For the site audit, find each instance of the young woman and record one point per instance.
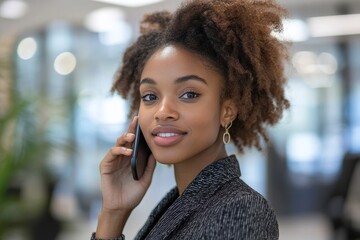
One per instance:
(210, 72)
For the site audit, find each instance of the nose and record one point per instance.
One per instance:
(166, 110)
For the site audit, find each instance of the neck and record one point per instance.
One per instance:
(186, 171)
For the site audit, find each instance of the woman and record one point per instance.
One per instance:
(210, 71)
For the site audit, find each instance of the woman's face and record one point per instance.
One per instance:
(180, 111)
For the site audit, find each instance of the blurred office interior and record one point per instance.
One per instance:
(58, 118)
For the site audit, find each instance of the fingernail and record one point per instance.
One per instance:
(127, 149)
(128, 136)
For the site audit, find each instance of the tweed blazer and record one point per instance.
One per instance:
(217, 204)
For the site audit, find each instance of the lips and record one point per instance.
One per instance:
(167, 136)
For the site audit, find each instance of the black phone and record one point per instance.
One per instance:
(141, 153)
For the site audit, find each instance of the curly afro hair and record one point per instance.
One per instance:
(236, 38)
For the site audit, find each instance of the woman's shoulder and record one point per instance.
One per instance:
(220, 186)
(239, 212)
(237, 188)
(239, 198)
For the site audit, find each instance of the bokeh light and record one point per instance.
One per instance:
(27, 48)
(65, 63)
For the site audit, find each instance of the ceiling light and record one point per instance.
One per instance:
(65, 63)
(130, 3)
(13, 9)
(120, 36)
(305, 62)
(336, 25)
(295, 30)
(110, 24)
(317, 71)
(104, 19)
(327, 63)
(26, 48)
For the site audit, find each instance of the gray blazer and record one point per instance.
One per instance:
(216, 205)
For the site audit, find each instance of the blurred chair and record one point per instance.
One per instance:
(47, 226)
(343, 205)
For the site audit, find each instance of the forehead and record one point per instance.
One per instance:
(177, 59)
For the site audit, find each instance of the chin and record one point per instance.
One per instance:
(167, 158)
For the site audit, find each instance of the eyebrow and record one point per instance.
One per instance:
(177, 81)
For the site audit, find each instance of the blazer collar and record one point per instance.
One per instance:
(174, 209)
(211, 178)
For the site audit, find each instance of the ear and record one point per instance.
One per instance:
(229, 112)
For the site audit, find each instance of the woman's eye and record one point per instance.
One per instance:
(190, 95)
(149, 97)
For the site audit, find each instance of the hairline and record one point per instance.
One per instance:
(207, 61)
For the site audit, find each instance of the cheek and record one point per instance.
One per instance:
(211, 109)
(205, 123)
(144, 121)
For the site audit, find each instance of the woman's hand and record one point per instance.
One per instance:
(120, 192)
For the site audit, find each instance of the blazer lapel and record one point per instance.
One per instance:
(156, 214)
(197, 193)
(174, 216)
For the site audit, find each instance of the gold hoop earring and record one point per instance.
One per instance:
(226, 136)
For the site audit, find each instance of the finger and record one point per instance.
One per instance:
(132, 125)
(114, 152)
(124, 139)
(131, 132)
(129, 136)
(149, 170)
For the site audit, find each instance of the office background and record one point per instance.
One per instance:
(58, 118)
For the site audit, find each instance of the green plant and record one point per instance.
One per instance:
(23, 149)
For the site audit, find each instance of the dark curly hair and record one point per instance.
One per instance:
(236, 38)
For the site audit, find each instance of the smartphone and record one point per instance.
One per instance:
(141, 153)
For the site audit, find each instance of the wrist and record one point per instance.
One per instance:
(93, 237)
(111, 223)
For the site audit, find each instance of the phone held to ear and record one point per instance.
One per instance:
(141, 153)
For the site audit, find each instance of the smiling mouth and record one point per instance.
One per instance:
(167, 135)
(167, 139)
